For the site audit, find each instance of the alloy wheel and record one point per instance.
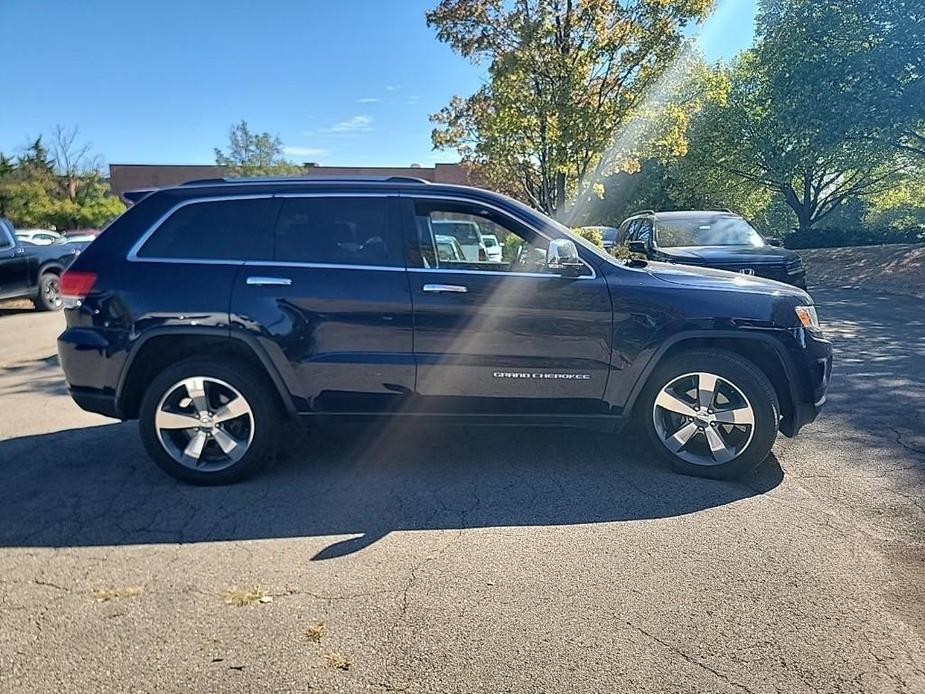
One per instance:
(704, 419)
(52, 291)
(204, 423)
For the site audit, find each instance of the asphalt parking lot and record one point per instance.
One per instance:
(471, 560)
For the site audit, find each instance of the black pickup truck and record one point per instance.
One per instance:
(33, 272)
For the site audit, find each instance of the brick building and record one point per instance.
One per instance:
(125, 177)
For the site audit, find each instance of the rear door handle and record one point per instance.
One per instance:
(269, 281)
(445, 288)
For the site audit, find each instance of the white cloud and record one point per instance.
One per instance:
(305, 151)
(413, 99)
(390, 87)
(356, 124)
(368, 100)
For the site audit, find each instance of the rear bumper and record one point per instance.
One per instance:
(96, 401)
(91, 366)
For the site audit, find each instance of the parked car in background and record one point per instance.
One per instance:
(31, 271)
(720, 240)
(448, 248)
(70, 233)
(466, 233)
(38, 237)
(492, 248)
(215, 311)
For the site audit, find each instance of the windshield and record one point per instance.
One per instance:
(706, 231)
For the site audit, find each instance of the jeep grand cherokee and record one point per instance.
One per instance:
(214, 311)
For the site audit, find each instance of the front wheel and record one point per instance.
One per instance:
(49, 295)
(710, 413)
(209, 423)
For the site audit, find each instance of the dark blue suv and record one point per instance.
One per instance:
(215, 311)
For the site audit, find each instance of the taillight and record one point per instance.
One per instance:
(74, 287)
(482, 254)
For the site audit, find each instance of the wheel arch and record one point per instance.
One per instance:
(765, 352)
(152, 352)
(51, 266)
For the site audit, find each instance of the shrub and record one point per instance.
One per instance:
(592, 234)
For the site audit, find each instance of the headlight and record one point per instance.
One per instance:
(808, 316)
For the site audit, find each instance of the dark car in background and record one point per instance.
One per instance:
(33, 271)
(214, 311)
(720, 240)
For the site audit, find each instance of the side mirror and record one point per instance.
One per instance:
(640, 247)
(773, 241)
(562, 257)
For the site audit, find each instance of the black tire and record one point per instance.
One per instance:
(265, 408)
(739, 372)
(49, 294)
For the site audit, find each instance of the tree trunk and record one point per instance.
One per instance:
(801, 207)
(560, 196)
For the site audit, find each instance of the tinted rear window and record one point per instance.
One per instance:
(221, 230)
(337, 230)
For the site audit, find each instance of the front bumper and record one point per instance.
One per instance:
(812, 357)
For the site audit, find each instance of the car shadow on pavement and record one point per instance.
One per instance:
(38, 376)
(96, 486)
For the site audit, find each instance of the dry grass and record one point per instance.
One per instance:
(315, 632)
(107, 594)
(241, 597)
(338, 661)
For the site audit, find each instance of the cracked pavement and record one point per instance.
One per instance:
(472, 560)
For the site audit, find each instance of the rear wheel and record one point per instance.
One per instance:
(209, 423)
(710, 414)
(49, 294)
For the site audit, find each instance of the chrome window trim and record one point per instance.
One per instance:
(136, 247)
(322, 266)
(505, 213)
(496, 273)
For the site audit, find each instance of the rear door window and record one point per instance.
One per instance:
(232, 230)
(337, 231)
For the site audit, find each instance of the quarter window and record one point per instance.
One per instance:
(336, 230)
(218, 230)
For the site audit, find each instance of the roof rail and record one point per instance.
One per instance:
(302, 179)
(639, 212)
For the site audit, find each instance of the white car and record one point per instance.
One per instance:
(38, 237)
(492, 247)
(448, 249)
(468, 236)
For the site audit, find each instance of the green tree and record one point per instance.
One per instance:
(564, 75)
(254, 154)
(59, 187)
(814, 111)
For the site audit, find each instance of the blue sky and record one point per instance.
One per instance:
(346, 83)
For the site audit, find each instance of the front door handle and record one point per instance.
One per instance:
(445, 288)
(269, 281)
